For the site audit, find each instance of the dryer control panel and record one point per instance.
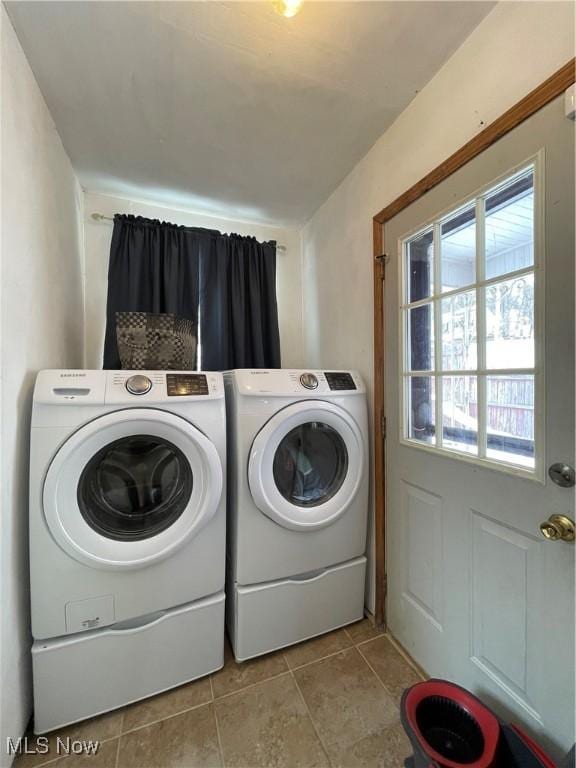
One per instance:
(339, 380)
(297, 382)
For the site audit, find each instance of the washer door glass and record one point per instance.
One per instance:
(135, 487)
(131, 487)
(310, 464)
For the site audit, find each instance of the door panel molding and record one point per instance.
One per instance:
(422, 552)
(546, 92)
(499, 548)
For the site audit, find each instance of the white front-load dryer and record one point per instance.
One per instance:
(297, 505)
(127, 536)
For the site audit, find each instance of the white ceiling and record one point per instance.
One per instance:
(227, 107)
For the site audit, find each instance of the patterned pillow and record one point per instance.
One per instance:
(155, 341)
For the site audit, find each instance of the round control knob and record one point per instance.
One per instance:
(309, 381)
(138, 384)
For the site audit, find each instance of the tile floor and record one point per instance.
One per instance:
(331, 701)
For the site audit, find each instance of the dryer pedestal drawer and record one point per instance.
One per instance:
(79, 676)
(265, 617)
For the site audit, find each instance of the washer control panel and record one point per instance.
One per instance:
(162, 386)
(183, 384)
(138, 384)
(77, 388)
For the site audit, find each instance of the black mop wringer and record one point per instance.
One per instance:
(448, 727)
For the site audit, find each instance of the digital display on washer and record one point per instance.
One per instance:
(340, 380)
(182, 384)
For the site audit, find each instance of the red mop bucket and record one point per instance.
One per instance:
(448, 727)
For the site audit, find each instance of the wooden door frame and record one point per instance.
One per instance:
(549, 90)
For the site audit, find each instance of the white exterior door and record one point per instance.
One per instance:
(479, 387)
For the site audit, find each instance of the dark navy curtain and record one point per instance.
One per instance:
(226, 282)
(238, 310)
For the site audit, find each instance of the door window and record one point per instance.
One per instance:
(310, 464)
(469, 314)
(135, 487)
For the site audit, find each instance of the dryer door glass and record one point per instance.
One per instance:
(135, 487)
(310, 464)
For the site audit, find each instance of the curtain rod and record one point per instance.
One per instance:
(101, 217)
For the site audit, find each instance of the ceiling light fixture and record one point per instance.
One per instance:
(287, 8)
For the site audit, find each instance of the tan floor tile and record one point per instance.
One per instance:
(362, 630)
(233, 676)
(317, 648)
(189, 740)
(268, 725)
(96, 729)
(386, 749)
(390, 666)
(105, 757)
(346, 700)
(34, 760)
(166, 704)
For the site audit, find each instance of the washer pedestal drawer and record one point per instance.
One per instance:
(272, 615)
(86, 674)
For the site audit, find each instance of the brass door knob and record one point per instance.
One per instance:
(558, 527)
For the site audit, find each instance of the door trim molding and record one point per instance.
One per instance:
(546, 92)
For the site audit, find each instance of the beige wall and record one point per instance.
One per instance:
(97, 251)
(516, 47)
(41, 327)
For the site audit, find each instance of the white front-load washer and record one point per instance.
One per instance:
(297, 505)
(127, 537)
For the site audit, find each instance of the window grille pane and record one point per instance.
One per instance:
(510, 419)
(510, 228)
(510, 323)
(421, 401)
(459, 332)
(458, 250)
(460, 413)
(482, 339)
(421, 338)
(419, 267)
